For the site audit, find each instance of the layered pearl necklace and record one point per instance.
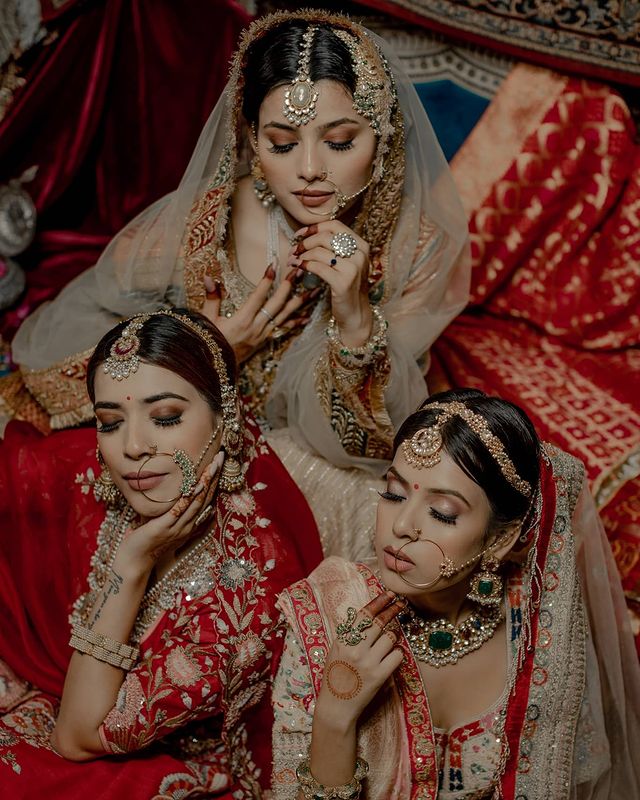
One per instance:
(439, 642)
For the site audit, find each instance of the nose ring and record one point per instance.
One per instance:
(323, 175)
(154, 449)
(418, 533)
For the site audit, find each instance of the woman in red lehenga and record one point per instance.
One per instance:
(486, 653)
(170, 591)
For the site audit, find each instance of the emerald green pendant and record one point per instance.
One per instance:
(485, 588)
(440, 640)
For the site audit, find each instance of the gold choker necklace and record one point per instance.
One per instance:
(438, 642)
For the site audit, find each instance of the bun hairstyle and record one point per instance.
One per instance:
(273, 60)
(506, 421)
(167, 342)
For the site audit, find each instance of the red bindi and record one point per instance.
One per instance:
(128, 397)
(416, 486)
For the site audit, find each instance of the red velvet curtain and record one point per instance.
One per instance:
(110, 113)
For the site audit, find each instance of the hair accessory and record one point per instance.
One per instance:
(343, 244)
(301, 96)
(424, 447)
(123, 357)
(486, 585)
(349, 633)
(260, 185)
(371, 96)
(314, 790)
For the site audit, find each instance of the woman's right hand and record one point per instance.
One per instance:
(259, 316)
(354, 673)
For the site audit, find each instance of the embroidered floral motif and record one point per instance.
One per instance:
(181, 669)
(234, 572)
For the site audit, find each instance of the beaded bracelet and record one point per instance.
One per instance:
(313, 790)
(103, 648)
(358, 357)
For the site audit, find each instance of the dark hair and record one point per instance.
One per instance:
(167, 342)
(506, 421)
(272, 61)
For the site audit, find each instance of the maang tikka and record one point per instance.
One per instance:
(301, 96)
(424, 448)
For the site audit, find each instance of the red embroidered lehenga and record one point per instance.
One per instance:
(567, 725)
(191, 715)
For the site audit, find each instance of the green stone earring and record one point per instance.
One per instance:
(486, 584)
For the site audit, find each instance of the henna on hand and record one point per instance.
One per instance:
(343, 680)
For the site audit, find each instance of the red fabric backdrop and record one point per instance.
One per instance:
(110, 113)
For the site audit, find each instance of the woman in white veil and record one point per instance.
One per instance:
(331, 397)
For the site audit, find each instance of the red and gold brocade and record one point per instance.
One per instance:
(550, 180)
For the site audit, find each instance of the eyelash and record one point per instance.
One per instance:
(437, 515)
(286, 148)
(442, 517)
(394, 498)
(162, 422)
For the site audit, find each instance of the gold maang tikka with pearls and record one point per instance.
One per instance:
(301, 96)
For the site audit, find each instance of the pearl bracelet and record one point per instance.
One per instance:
(357, 357)
(103, 648)
(313, 790)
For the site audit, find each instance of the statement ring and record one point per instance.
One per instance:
(343, 244)
(350, 634)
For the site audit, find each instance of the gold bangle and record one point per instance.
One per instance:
(314, 790)
(103, 648)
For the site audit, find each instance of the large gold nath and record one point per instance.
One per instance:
(424, 448)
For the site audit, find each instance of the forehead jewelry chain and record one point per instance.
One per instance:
(425, 446)
(301, 96)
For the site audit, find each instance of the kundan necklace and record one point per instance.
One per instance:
(438, 642)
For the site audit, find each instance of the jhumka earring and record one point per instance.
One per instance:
(486, 585)
(104, 489)
(231, 477)
(260, 185)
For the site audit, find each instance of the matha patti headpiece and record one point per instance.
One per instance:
(424, 447)
(301, 97)
(371, 96)
(124, 360)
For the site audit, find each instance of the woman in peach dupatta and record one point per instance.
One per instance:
(505, 670)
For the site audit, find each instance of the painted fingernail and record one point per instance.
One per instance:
(315, 292)
(299, 249)
(292, 275)
(312, 229)
(301, 231)
(299, 273)
(270, 272)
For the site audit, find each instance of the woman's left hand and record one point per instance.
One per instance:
(347, 277)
